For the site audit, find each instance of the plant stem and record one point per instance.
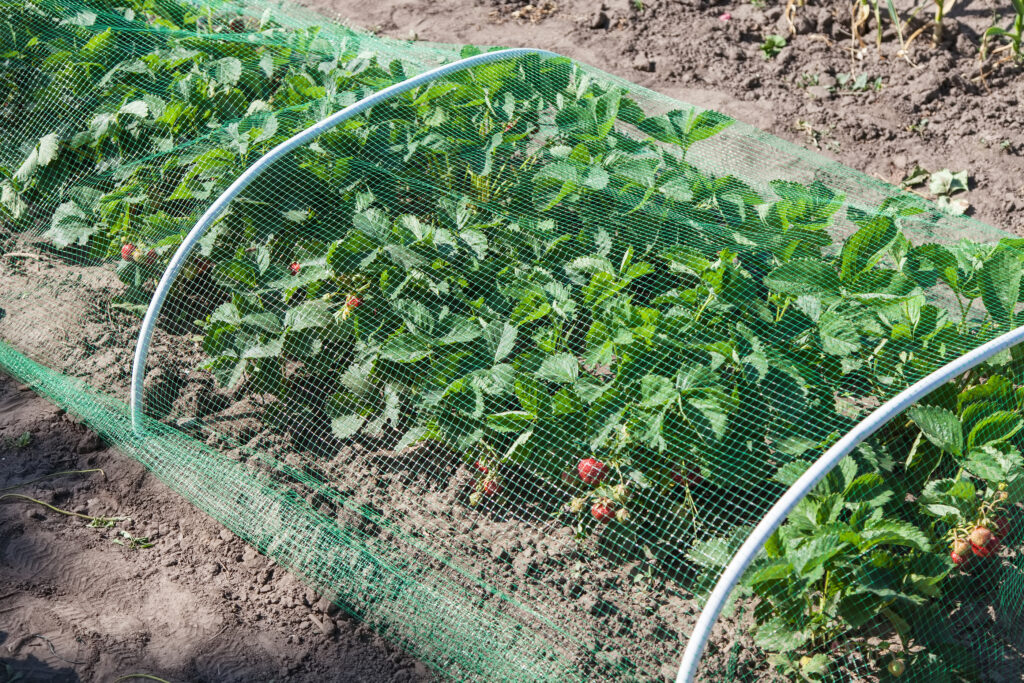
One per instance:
(101, 520)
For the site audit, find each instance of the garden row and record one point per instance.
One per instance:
(518, 262)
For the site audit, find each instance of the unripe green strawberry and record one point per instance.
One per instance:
(980, 536)
(897, 667)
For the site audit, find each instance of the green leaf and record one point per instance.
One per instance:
(511, 421)
(860, 607)
(998, 426)
(506, 342)
(894, 532)
(531, 395)
(715, 552)
(868, 488)
(561, 367)
(136, 108)
(70, 225)
(272, 349)
(706, 124)
(778, 635)
(995, 463)
(407, 347)
(461, 330)
(936, 258)
(227, 71)
(945, 182)
(839, 336)
(939, 426)
(532, 307)
(803, 277)
(776, 571)
(308, 315)
(345, 426)
(867, 246)
(685, 260)
(656, 390)
(45, 151)
(790, 472)
(1000, 285)
(227, 371)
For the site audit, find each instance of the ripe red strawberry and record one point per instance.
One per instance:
(602, 512)
(127, 251)
(481, 466)
(961, 546)
(151, 258)
(957, 558)
(491, 488)
(592, 471)
(985, 550)
(295, 267)
(353, 301)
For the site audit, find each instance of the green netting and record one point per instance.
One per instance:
(510, 365)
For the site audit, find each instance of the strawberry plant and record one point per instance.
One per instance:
(855, 554)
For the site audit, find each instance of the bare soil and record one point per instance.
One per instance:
(933, 107)
(80, 604)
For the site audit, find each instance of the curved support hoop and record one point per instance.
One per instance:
(163, 288)
(777, 514)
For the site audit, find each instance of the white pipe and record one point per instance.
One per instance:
(777, 514)
(213, 212)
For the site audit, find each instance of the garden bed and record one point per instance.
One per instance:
(542, 340)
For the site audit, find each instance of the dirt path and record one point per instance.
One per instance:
(198, 605)
(935, 111)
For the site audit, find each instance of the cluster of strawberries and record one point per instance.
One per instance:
(982, 540)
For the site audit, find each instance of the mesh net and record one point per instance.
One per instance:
(509, 365)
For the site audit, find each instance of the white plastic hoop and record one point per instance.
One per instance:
(778, 512)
